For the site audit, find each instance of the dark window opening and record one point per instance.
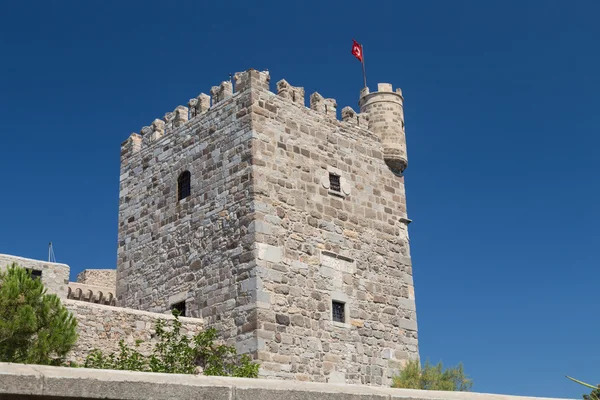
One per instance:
(179, 307)
(35, 274)
(334, 182)
(184, 183)
(337, 309)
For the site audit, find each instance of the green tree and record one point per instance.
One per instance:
(35, 328)
(432, 377)
(178, 354)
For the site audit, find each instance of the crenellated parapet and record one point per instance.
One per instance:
(199, 105)
(196, 108)
(131, 146)
(91, 293)
(289, 92)
(352, 117)
(221, 92)
(381, 113)
(323, 105)
(251, 79)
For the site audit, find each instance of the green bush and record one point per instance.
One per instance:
(432, 377)
(175, 353)
(35, 328)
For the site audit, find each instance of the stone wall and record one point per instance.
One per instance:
(55, 276)
(29, 382)
(316, 245)
(102, 327)
(197, 249)
(99, 277)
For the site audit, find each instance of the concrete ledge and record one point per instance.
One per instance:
(31, 382)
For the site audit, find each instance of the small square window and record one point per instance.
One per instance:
(35, 274)
(179, 307)
(337, 311)
(334, 182)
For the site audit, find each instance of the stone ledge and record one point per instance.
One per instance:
(72, 305)
(28, 262)
(18, 381)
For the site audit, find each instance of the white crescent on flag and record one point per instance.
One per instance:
(357, 50)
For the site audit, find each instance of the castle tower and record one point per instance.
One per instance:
(278, 224)
(386, 119)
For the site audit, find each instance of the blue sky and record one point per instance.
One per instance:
(501, 112)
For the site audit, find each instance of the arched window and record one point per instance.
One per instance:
(184, 183)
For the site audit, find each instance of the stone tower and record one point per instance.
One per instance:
(385, 109)
(277, 223)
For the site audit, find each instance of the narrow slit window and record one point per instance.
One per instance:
(334, 182)
(179, 307)
(337, 311)
(184, 183)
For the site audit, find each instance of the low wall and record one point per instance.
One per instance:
(55, 276)
(102, 327)
(92, 294)
(26, 382)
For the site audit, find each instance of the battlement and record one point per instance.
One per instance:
(196, 108)
(91, 293)
(199, 106)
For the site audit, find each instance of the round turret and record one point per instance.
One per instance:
(385, 109)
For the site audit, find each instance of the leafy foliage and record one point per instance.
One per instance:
(178, 354)
(432, 377)
(35, 328)
(594, 394)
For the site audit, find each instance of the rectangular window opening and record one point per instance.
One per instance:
(334, 182)
(35, 274)
(184, 185)
(337, 311)
(179, 307)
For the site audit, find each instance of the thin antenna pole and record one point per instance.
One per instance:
(51, 257)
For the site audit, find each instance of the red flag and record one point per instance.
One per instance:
(357, 50)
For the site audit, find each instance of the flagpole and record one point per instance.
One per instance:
(363, 65)
(358, 52)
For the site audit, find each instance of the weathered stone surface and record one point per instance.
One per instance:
(98, 277)
(269, 253)
(102, 327)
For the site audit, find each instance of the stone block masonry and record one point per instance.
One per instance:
(98, 277)
(277, 223)
(102, 327)
(348, 245)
